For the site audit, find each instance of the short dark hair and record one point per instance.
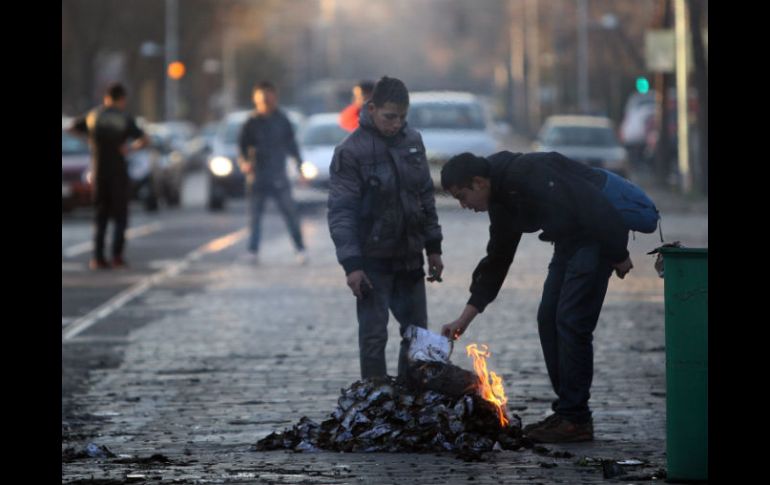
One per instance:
(264, 86)
(367, 87)
(390, 90)
(460, 170)
(116, 91)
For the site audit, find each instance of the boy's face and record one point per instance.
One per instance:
(388, 118)
(265, 100)
(475, 197)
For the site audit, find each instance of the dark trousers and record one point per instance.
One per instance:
(282, 197)
(401, 292)
(573, 295)
(111, 204)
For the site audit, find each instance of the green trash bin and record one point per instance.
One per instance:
(686, 306)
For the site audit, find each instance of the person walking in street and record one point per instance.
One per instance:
(563, 198)
(108, 128)
(349, 116)
(265, 140)
(382, 216)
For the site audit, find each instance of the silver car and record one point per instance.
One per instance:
(587, 139)
(319, 135)
(451, 122)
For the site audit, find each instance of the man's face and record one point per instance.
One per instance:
(388, 118)
(119, 103)
(475, 197)
(265, 100)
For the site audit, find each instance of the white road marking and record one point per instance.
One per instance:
(131, 233)
(140, 287)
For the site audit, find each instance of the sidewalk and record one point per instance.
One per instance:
(234, 352)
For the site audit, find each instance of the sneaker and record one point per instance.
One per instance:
(561, 430)
(542, 423)
(119, 263)
(301, 257)
(251, 258)
(96, 263)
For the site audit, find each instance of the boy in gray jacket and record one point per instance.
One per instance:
(382, 215)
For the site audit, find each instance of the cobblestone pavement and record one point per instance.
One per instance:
(229, 352)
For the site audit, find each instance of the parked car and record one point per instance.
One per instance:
(587, 139)
(76, 188)
(317, 138)
(451, 122)
(157, 172)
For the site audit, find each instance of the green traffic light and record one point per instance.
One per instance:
(642, 85)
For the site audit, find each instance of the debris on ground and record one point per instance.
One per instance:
(383, 415)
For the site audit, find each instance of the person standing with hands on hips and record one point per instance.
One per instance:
(109, 129)
(563, 198)
(382, 216)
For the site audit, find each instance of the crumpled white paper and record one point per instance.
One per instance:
(427, 346)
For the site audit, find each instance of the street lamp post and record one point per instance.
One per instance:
(172, 85)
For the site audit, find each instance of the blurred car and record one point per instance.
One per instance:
(317, 138)
(76, 188)
(156, 172)
(587, 139)
(182, 137)
(451, 122)
(225, 179)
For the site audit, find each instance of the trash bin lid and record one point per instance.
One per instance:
(672, 250)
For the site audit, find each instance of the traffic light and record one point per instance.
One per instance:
(642, 85)
(176, 70)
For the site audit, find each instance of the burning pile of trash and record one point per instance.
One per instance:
(437, 407)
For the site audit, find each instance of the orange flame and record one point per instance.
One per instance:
(492, 392)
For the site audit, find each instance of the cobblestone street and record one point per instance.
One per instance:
(228, 353)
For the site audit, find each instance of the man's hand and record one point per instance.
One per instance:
(621, 269)
(244, 165)
(435, 268)
(455, 329)
(359, 284)
(458, 327)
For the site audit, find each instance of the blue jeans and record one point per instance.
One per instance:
(282, 197)
(573, 295)
(403, 293)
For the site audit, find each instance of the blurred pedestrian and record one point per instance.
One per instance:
(109, 128)
(349, 116)
(265, 140)
(563, 198)
(382, 216)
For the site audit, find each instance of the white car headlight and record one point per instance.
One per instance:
(309, 170)
(221, 166)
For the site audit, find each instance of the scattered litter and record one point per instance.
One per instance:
(381, 415)
(98, 451)
(611, 469)
(630, 462)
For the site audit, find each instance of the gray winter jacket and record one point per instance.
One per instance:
(381, 202)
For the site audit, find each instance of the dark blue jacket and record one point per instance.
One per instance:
(272, 139)
(548, 192)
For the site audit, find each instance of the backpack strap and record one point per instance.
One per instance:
(660, 226)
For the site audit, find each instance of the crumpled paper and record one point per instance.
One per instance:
(427, 346)
(659, 259)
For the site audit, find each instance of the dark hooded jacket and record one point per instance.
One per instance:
(548, 192)
(382, 210)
